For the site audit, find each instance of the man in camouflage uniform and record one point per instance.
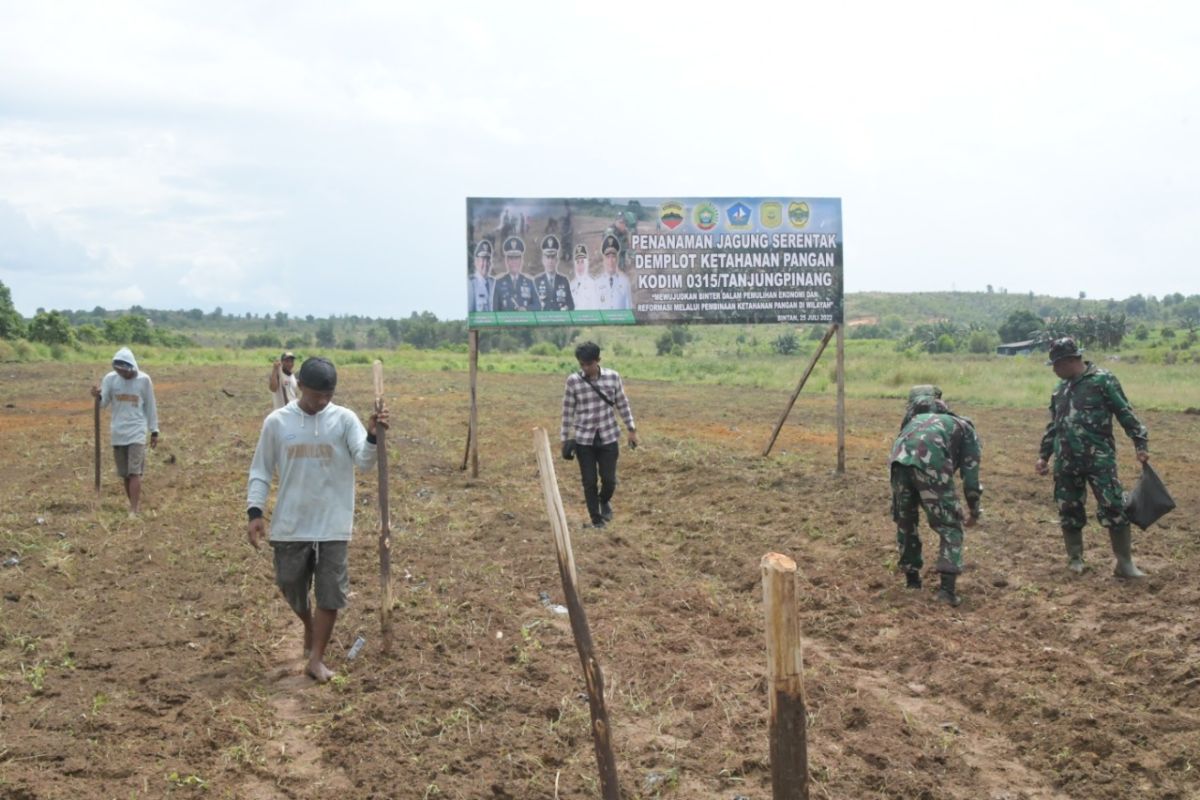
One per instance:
(934, 444)
(1080, 436)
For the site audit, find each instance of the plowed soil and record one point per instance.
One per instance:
(152, 656)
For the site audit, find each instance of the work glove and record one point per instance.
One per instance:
(568, 450)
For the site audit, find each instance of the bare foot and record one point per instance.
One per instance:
(318, 672)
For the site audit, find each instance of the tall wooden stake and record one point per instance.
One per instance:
(385, 533)
(96, 428)
(601, 731)
(785, 680)
(841, 397)
(473, 432)
(803, 379)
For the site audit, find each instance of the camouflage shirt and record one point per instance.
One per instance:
(939, 445)
(1080, 433)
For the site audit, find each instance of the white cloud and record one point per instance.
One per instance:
(196, 153)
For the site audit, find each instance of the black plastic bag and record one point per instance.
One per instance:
(1149, 500)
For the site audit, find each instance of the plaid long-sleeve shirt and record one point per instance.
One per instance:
(585, 414)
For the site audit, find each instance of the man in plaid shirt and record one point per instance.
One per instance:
(590, 429)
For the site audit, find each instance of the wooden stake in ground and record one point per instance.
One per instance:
(96, 427)
(385, 533)
(601, 731)
(803, 379)
(785, 680)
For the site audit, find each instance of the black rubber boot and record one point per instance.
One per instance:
(1073, 538)
(912, 579)
(946, 593)
(1122, 545)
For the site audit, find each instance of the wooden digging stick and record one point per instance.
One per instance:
(385, 534)
(96, 428)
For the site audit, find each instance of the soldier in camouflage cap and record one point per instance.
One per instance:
(934, 444)
(1080, 436)
(916, 394)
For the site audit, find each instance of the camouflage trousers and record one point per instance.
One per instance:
(1070, 491)
(912, 490)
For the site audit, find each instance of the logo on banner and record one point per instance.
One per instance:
(738, 215)
(771, 214)
(671, 214)
(798, 213)
(707, 216)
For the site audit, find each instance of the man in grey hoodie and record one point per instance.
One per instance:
(130, 392)
(314, 446)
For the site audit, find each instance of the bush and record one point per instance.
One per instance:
(545, 349)
(88, 334)
(672, 340)
(786, 343)
(254, 340)
(981, 342)
(944, 344)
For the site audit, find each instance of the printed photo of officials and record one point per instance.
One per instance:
(580, 262)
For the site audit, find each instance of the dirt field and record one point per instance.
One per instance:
(152, 657)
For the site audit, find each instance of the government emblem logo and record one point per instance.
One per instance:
(798, 213)
(771, 214)
(707, 216)
(738, 215)
(671, 214)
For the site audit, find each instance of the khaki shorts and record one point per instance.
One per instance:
(324, 566)
(130, 458)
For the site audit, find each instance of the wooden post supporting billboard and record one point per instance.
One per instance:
(841, 398)
(785, 680)
(473, 424)
(601, 730)
(803, 379)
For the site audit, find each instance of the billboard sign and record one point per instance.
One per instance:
(631, 261)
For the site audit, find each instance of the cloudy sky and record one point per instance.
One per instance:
(315, 157)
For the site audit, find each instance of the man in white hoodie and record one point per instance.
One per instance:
(313, 445)
(131, 395)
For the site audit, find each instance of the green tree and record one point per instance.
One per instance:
(11, 324)
(325, 335)
(51, 327)
(89, 334)
(128, 329)
(1020, 326)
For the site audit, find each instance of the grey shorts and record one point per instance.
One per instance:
(325, 566)
(130, 458)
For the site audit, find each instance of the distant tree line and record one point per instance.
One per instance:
(180, 328)
(936, 322)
